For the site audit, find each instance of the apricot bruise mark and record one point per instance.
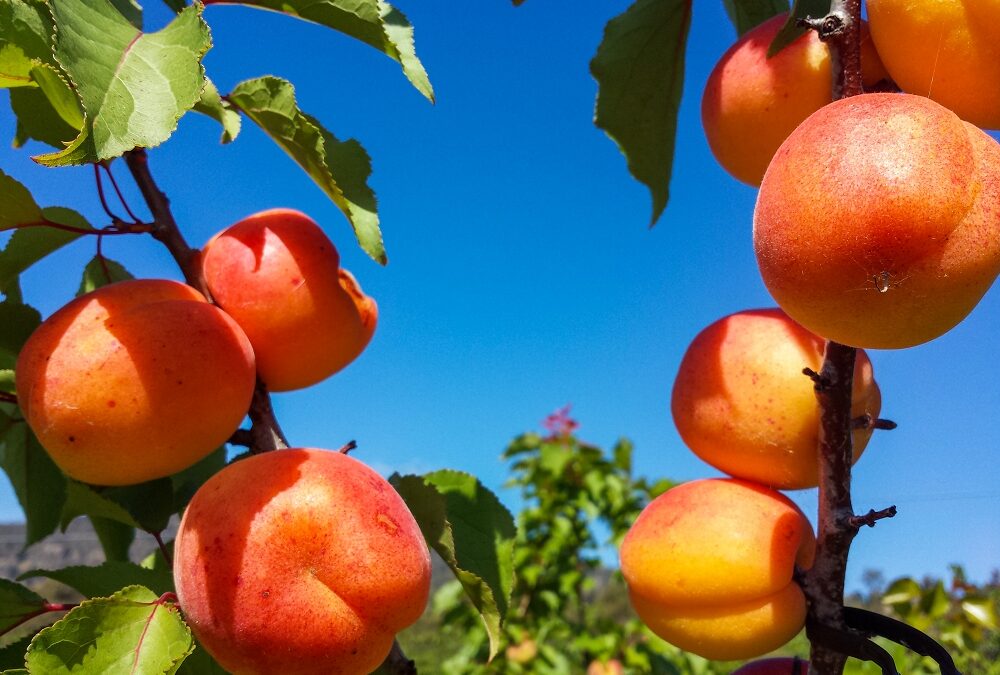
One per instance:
(387, 523)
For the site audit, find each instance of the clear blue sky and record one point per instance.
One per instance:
(522, 273)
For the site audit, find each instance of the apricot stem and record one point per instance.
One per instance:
(158, 536)
(347, 447)
(265, 432)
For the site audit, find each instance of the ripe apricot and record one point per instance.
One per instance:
(777, 666)
(709, 567)
(878, 221)
(752, 103)
(279, 276)
(134, 381)
(947, 50)
(742, 404)
(299, 562)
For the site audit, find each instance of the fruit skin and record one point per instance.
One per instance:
(779, 666)
(279, 276)
(878, 222)
(709, 567)
(752, 103)
(742, 404)
(948, 50)
(297, 562)
(134, 381)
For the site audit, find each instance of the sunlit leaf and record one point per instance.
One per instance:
(129, 632)
(639, 69)
(222, 111)
(134, 86)
(374, 22)
(340, 169)
(472, 532)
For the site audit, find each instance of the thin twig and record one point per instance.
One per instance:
(114, 183)
(266, 433)
(867, 421)
(158, 536)
(872, 517)
(45, 609)
(7, 397)
(100, 194)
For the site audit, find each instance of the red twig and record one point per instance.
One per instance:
(158, 536)
(45, 609)
(114, 183)
(100, 194)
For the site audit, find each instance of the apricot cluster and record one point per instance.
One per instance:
(296, 561)
(710, 564)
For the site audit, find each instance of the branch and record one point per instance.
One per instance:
(396, 663)
(7, 397)
(872, 517)
(824, 583)
(265, 432)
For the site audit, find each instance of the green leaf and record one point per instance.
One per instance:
(25, 40)
(791, 30)
(12, 656)
(901, 594)
(187, 482)
(19, 207)
(981, 611)
(16, 602)
(19, 322)
(59, 94)
(38, 120)
(176, 5)
(131, 10)
(935, 602)
(38, 483)
(747, 14)
(222, 111)
(116, 538)
(340, 169)
(101, 272)
(639, 69)
(147, 506)
(623, 455)
(28, 245)
(134, 86)
(374, 22)
(6, 384)
(108, 578)
(472, 532)
(129, 632)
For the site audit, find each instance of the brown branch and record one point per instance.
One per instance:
(7, 397)
(265, 432)
(824, 583)
(165, 228)
(396, 663)
(117, 227)
(867, 421)
(872, 517)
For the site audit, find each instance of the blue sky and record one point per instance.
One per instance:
(522, 273)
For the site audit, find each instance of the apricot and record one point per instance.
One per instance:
(279, 276)
(609, 667)
(742, 404)
(752, 103)
(709, 567)
(777, 666)
(878, 221)
(134, 381)
(299, 561)
(947, 50)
